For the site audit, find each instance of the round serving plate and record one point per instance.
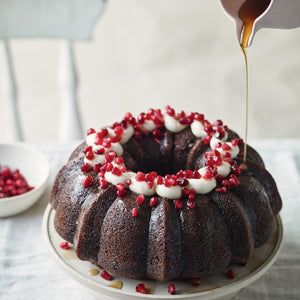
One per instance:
(217, 286)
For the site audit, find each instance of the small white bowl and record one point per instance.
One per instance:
(35, 168)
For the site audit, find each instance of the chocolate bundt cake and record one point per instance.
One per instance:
(165, 195)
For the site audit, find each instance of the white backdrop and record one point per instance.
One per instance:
(152, 53)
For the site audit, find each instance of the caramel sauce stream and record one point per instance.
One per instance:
(249, 12)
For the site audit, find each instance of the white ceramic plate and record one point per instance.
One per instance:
(212, 287)
(34, 167)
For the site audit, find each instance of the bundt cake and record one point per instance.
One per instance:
(165, 195)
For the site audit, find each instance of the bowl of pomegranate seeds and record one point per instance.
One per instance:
(24, 173)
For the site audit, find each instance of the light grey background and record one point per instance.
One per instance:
(153, 53)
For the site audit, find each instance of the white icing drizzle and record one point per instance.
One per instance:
(202, 185)
(141, 187)
(198, 129)
(172, 124)
(127, 134)
(114, 179)
(172, 192)
(148, 125)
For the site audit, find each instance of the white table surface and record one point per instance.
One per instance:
(28, 272)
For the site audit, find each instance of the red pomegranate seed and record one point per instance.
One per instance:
(236, 169)
(106, 143)
(182, 182)
(226, 183)
(98, 140)
(100, 151)
(120, 187)
(140, 199)
(87, 182)
(140, 288)
(119, 160)
(64, 245)
(103, 183)
(120, 194)
(119, 130)
(178, 203)
(105, 275)
(160, 180)
(199, 117)
(90, 131)
(221, 190)
(153, 201)
(218, 123)
(140, 176)
(97, 168)
(230, 274)
(86, 167)
(134, 212)
(207, 139)
(128, 182)
(196, 175)
(192, 194)
(90, 155)
(116, 171)
(208, 175)
(171, 289)
(226, 147)
(87, 149)
(170, 111)
(109, 167)
(195, 281)
(188, 174)
(190, 204)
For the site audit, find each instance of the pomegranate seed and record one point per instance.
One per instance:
(190, 204)
(182, 182)
(64, 245)
(134, 212)
(186, 192)
(128, 182)
(116, 171)
(90, 131)
(119, 130)
(103, 183)
(199, 117)
(206, 140)
(120, 194)
(171, 289)
(140, 199)
(100, 151)
(234, 142)
(87, 149)
(218, 123)
(178, 203)
(119, 160)
(90, 155)
(140, 288)
(226, 147)
(208, 175)
(109, 167)
(153, 201)
(230, 274)
(98, 140)
(97, 168)
(157, 133)
(196, 175)
(87, 182)
(86, 167)
(226, 183)
(105, 275)
(106, 144)
(103, 133)
(236, 169)
(192, 194)
(160, 180)
(120, 187)
(195, 281)
(221, 190)
(170, 111)
(140, 176)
